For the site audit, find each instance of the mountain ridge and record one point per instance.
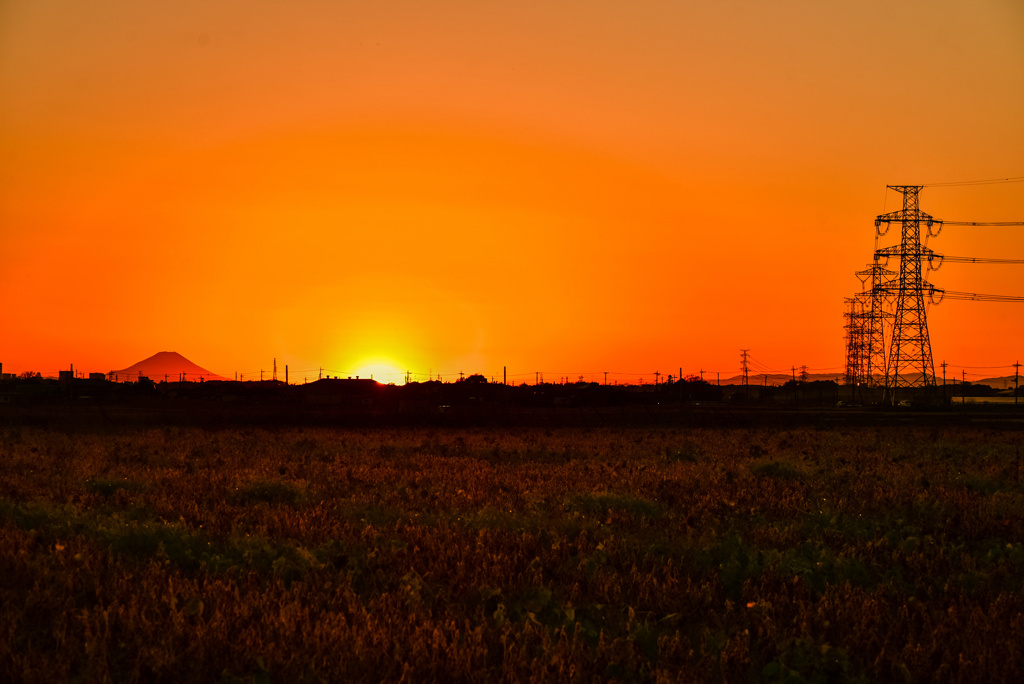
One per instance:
(166, 365)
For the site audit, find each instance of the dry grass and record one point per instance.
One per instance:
(481, 555)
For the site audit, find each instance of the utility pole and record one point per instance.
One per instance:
(656, 375)
(1016, 379)
(943, 364)
(536, 378)
(606, 377)
(744, 355)
(286, 373)
(275, 369)
(321, 375)
(504, 375)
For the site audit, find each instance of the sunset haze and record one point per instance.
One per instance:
(446, 187)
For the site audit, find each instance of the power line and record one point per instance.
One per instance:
(987, 181)
(973, 260)
(953, 365)
(979, 223)
(978, 297)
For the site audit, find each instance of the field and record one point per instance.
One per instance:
(180, 554)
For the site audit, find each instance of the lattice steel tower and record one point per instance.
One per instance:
(853, 342)
(909, 361)
(875, 317)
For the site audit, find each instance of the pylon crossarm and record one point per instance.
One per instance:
(897, 215)
(876, 268)
(887, 219)
(911, 252)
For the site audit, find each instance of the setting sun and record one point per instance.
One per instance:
(382, 370)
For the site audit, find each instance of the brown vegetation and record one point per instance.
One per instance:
(181, 554)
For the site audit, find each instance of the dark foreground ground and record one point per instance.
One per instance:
(670, 544)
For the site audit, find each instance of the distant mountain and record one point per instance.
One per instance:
(163, 365)
(777, 378)
(781, 379)
(997, 383)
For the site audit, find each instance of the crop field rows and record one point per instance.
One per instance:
(634, 554)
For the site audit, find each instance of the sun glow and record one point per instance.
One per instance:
(383, 371)
(429, 197)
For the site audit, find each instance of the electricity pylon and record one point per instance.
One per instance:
(854, 326)
(874, 317)
(909, 362)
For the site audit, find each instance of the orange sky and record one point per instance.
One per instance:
(567, 187)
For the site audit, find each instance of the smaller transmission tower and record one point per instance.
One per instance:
(875, 317)
(854, 340)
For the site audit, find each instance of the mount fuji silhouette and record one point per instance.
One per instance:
(165, 366)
